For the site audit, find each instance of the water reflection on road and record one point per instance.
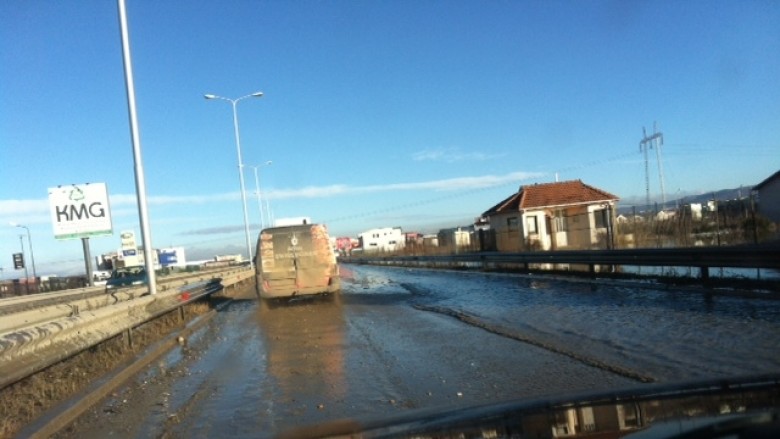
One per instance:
(660, 333)
(399, 339)
(304, 342)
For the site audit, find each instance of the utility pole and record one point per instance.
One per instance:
(26, 276)
(654, 140)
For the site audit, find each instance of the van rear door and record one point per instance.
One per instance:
(296, 259)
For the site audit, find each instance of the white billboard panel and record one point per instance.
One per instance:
(80, 210)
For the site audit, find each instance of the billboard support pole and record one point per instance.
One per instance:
(88, 261)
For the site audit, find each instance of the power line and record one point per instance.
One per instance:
(464, 192)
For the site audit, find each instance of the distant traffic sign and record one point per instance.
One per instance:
(18, 261)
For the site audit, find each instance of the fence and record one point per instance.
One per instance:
(715, 223)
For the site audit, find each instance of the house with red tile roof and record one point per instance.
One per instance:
(554, 216)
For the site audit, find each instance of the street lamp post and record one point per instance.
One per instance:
(257, 192)
(29, 244)
(26, 276)
(268, 217)
(233, 102)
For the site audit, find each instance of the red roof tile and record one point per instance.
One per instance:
(564, 193)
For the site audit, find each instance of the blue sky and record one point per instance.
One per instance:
(418, 114)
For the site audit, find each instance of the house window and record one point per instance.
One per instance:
(561, 224)
(531, 224)
(512, 222)
(600, 218)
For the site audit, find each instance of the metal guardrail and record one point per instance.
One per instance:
(13, 304)
(704, 258)
(30, 348)
(18, 312)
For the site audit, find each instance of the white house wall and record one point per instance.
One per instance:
(384, 239)
(576, 234)
(561, 239)
(541, 236)
(462, 238)
(506, 237)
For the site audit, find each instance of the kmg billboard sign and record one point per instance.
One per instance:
(80, 211)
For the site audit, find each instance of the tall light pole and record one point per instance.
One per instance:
(29, 244)
(233, 102)
(135, 138)
(268, 217)
(26, 276)
(257, 192)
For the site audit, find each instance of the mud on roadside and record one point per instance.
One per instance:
(24, 401)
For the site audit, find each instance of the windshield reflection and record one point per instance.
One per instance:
(735, 408)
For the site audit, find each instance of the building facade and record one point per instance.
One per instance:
(383, 239)
(551, 216)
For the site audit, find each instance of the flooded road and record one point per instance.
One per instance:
(400, 339)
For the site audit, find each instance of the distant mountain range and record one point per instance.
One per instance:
(627, 205)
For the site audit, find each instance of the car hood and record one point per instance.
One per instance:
(738, 407)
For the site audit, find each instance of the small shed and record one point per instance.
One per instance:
(561, 215)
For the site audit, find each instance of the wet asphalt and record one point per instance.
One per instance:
(399, 340)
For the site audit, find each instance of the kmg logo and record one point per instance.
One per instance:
(73, 212)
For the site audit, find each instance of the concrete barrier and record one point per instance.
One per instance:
(40, 308)
(26, 349)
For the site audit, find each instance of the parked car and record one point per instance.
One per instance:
(127, 277)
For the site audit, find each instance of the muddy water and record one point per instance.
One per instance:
(399, 339)
(665, 334)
